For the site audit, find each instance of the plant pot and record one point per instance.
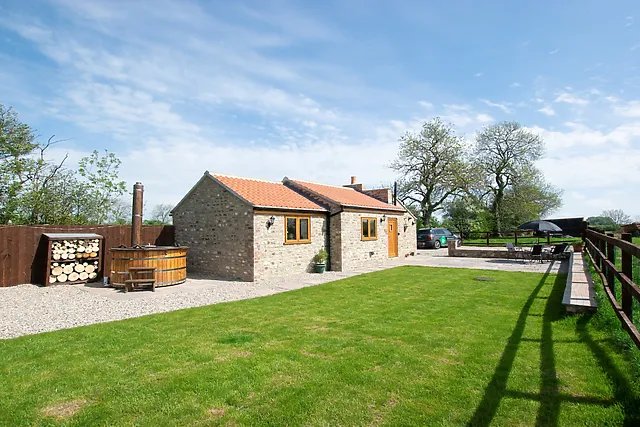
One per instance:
(320, 268)
(577, 248)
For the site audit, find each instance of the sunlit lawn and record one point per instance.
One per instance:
(407, 346)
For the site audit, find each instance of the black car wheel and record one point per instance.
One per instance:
(436, 244)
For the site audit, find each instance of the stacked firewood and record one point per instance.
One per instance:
(74, 260)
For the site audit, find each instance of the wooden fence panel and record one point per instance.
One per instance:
(601, 249)
(23, 252)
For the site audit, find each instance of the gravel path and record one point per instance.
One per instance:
(29, 309)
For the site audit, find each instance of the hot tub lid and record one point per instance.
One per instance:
(150, 248)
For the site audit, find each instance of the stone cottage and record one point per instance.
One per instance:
(248, 229)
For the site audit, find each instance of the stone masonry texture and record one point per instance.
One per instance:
(218, 228)
(274, 258)
(355, 252)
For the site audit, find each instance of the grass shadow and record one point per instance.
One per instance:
(623, 391)
(497, 387)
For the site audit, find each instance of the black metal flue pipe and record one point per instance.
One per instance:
(136, 218)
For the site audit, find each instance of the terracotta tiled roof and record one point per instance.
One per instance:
(267, 194)
(346, 196)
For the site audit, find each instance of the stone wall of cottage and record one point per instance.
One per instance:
(274, 258)
(408, 238)
(217, 227)
(353, 252)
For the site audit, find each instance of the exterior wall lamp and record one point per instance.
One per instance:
(271, 221)
(384, 216)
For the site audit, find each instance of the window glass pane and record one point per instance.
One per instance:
(365, 228)
(372, 228)
(304, 229)
(291, 229)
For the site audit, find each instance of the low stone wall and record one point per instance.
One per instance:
(477, 252)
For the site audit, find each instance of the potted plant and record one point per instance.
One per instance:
(577, 247)
(320, 259)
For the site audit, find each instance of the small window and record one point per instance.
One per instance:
(297, 229)
(369, 229)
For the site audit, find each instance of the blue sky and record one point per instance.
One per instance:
(323, 90)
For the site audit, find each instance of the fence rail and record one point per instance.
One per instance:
(23, 251)
(518, 237)
(602, 250)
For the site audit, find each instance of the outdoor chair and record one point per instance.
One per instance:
(514, 252)
(559, 251)
(536, 253)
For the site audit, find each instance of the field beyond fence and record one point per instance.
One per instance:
(23, 251)
(518, 238)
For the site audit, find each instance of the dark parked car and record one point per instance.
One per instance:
(435, 238)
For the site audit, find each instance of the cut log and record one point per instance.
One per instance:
(55, 264)
(71, 256)
(84, 275)
(62, 278)
(93, 254)
(64, 255)
(73, 277)
(93, 275)
(79, 268)
(56, 256)
(67, 269)
(52, 279)
(57, 271)
(80, 249)
(89, 269)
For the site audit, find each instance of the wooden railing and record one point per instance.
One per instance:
(602, 250)
(490, 238)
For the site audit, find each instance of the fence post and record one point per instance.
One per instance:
(603, 249)
(515, 237)
(611, 256)
(627, 270)
(548, 239)
(488, 235)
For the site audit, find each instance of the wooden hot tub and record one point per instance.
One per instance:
(170, 263)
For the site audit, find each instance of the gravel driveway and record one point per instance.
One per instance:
(30, 309)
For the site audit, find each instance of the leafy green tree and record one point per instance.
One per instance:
(529, 198)
(506, 153)
(462, 215)
(433, 167)
(100, 176)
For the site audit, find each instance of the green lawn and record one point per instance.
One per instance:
(407, 346)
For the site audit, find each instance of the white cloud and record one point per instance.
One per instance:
(628, 109)
(425, 104)
(571, 99)
(629, 21)
(547, 110)
(553, 52)
(503, 107)
(514, 84)
(478, 74)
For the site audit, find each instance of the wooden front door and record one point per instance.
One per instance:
(392, 230)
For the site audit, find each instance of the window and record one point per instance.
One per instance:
(297, 229)
(369, 229)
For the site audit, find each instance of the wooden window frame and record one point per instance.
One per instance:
(297, 240)
(369, 228)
